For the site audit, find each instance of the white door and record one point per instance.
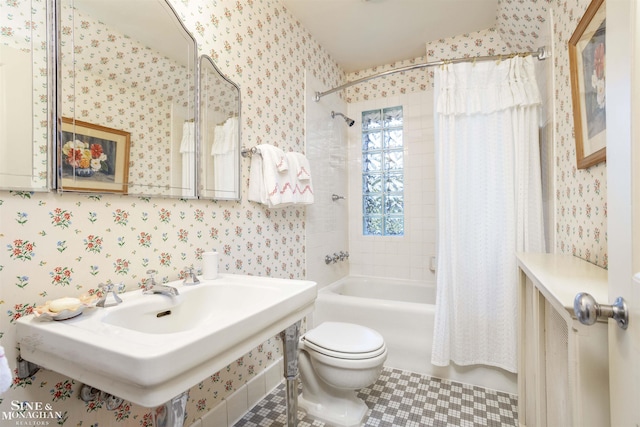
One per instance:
(623, 203)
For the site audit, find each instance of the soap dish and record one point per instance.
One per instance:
(44, 312)
(62, 315)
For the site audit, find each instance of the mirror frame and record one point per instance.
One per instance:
(56, 107)
(51, 39)
(54, 122)
(201, 178)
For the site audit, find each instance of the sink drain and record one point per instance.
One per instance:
(163, 313)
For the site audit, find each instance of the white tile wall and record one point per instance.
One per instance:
(231, 409)
(217, 417)
(237, 405)
(404, 257)
(326, 149)
(256, 390)
(274, 375)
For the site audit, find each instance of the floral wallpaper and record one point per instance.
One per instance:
(522, 25)
(479, 43)
(396, 84)
(65, 244)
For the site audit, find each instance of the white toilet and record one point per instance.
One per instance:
(336, 359)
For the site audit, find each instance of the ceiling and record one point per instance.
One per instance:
(360, 34)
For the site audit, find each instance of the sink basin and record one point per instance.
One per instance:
(151, 348)
(193, 308)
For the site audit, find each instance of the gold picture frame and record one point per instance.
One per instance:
(587, 49)
(93, 158)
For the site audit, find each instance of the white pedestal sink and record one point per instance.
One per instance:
(151, 348)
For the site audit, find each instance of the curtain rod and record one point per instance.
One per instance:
(541, 54)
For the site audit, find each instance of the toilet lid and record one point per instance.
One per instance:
(340, 337)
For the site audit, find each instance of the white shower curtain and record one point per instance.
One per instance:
(489, 206)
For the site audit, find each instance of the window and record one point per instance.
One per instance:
(383, 172)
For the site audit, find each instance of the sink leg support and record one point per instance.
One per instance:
(290, 337)
(26, 369)
(172, 413)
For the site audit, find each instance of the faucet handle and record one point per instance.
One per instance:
(191, 277)
(107, 289)
(120, 287)
(150, 281)
(112, 287)
(152, 273)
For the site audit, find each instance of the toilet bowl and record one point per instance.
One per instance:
(336, 359)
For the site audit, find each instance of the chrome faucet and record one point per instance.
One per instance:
(154, 288)
(191, 278)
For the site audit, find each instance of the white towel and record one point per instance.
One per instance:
(225, 137)
(5, 372)
(188, 142)
(300, 175)
(269, 180)
(303, 169)
(187, 148)
(231, 134)
(224, 152)
(225, 173)
(219, 138)
(257, 192)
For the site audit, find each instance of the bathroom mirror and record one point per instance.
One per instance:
(127, 85)
(24, 96)
(219, 134)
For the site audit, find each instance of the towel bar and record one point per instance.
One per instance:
(248, 152)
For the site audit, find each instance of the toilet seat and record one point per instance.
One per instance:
(344, 341)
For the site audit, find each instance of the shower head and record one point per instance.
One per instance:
(349, 121)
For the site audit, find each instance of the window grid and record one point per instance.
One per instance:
(383, 172)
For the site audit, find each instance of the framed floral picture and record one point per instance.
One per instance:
(587, 52)
(93, 158)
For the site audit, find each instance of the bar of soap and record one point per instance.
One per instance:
(67, 303)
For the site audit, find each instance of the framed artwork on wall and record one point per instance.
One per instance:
(93, 158)
(587, 52)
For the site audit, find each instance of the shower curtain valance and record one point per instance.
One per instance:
(489, 88)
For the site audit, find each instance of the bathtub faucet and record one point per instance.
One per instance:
(328, 259)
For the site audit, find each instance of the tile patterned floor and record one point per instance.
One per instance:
(405, 399)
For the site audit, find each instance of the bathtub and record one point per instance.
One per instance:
(402, 311)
